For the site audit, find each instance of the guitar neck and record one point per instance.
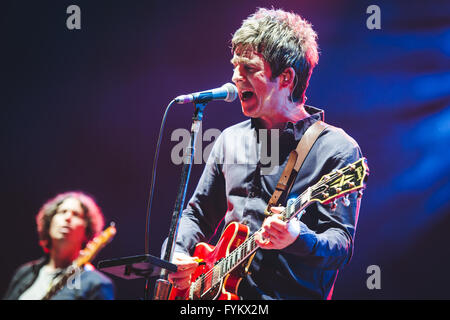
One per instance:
(60, 283)
(86, 255)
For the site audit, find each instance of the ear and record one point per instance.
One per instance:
(287, 78)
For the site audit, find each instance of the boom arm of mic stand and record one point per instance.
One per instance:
(163, 286)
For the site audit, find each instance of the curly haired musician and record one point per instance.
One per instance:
(65, 224)
(274, 54)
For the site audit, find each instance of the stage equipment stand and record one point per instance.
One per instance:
(147, 266)
(163, 286)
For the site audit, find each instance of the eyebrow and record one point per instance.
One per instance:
(244, 60)
(240, 60)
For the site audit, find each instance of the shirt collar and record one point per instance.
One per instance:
(39, 263)
(298, 128)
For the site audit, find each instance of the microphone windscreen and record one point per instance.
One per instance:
(232, 92)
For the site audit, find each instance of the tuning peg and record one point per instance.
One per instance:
(333, 205)
(350, 184)
(360, 193)
(337, 190)
(345, 201)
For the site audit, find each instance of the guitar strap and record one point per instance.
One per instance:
(294, 164)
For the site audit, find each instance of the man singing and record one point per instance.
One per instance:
(274, 54)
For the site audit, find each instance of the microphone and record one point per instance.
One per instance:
(227, 92)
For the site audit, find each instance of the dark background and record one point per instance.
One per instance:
(81, 110)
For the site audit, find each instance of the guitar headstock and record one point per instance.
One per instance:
(341, 182)
(95, 245)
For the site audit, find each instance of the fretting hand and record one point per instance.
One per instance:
(276, 233)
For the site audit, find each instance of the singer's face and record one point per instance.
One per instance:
(68, 224)
(259, 95)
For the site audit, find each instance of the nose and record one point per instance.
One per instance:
(68, 215)
(237, 76)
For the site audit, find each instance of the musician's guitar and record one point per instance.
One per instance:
(86, 255)
(222, 267)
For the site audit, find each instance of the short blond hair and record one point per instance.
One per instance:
(285, 40)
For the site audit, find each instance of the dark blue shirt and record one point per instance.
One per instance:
(236, 185)
(93, 285)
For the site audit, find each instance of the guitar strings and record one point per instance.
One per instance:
(209, 274)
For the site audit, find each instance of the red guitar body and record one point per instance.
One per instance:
(232, 237)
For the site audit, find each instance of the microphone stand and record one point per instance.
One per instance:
(163, 286)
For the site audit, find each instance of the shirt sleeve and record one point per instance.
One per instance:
(96, 286)
(328, 242)
(207, 206)
(18, 274)
(101, 291)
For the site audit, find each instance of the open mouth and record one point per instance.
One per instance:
(64, 229)
(246, 95)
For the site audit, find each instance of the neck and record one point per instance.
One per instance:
(62, 256)
(290, 112)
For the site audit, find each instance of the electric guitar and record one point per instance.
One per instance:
(86, 255)
(222, 267)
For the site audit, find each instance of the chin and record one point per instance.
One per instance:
(249, 111)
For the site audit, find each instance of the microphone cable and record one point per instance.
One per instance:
(152, 185)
